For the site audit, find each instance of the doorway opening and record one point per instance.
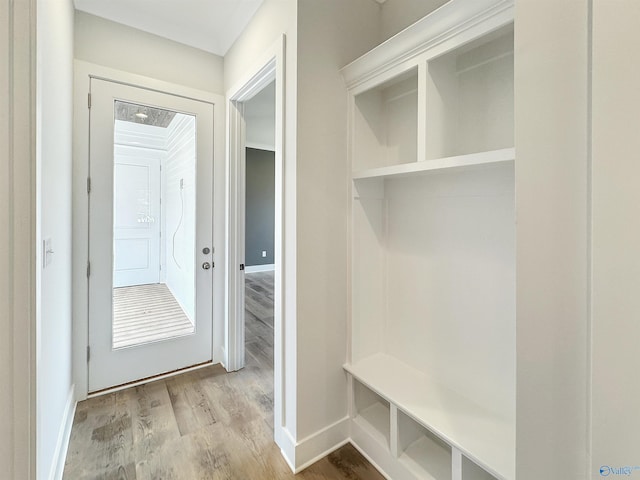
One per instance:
(154, 224)
(259, 174)
(263, 291)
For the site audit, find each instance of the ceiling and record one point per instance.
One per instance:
(210, 25)
(131, 112)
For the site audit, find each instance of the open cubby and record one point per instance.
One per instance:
(386, 123)
(471, 471)
(433, 303)
(432, 325)
(470, 97)
(434, 278)
(424, 454)
(372, 413)
(449, 273)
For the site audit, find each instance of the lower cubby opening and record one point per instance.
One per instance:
(471, 471)
(372, 413)
(423, 453)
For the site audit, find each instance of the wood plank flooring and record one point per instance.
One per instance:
(201, 425)
(258, 312)
(147, 313)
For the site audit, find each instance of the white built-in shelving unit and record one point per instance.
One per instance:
(432, 329)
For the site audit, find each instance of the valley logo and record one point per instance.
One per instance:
(606, 470)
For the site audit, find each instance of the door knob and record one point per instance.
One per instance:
(206, 265)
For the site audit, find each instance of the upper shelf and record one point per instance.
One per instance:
(440, 102)
(481, 436)
(453, 23)
(450, 163)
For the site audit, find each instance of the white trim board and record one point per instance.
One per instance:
(156, 378)
(320, 444)
(260, 268)
(302, 454)
(64, 435)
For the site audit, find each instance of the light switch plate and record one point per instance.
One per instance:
(47, 252)
(264, 254)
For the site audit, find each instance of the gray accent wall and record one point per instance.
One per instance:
(260, 206)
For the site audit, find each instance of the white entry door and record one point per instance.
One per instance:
(145, 322)
(136, 235)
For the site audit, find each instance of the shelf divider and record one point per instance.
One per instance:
(456, 464)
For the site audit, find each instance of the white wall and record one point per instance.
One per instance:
(616, 237)
(180, 218)
(261, 132)
(396, 15)
(330, 35)
(551, 137)
(273, 19)
(124, 48)
(54, 156)
(260, 117)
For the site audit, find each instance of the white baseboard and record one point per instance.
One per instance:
(287, 445)
(260, 268)
(60, 455)
(320, 444)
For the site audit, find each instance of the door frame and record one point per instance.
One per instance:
(83, 71)
(271, 66)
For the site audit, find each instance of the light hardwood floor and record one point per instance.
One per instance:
(206, 424)
(147, 313)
